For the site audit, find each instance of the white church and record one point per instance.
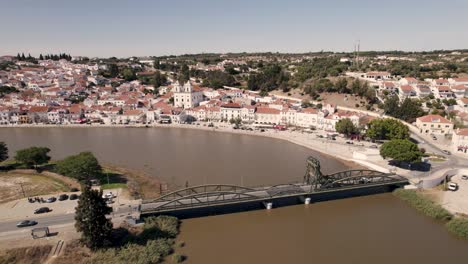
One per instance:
(185, 96)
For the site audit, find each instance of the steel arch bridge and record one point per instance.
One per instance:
(314, 182)
(349, 178)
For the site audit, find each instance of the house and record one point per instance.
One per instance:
(443, 92)
(38, 114)
(460, 90)
(230, 111)
(307, 117)
(378, 75)
(408, 81)
(267, 115)
(460, 141)
(434, 124)
(406, 91)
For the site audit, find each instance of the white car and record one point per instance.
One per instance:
(452, 186)
(464, 177)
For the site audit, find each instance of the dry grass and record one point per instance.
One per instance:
(32, 184)
(140, 185)
(74, 253)
(29, 255)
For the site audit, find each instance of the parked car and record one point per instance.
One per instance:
(63, 197)
(51, 200)
(452, 186)
(374, 146)
(42, 210)
(434, 138)
(26, 223)
(446, 152)
(349, 142)
(464, 177)
(74, 196)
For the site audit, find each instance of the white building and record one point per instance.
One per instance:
(434, 124)
(460, 141)
(186, 96)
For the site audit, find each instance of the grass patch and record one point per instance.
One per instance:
(459, 227)
(437, 160)
(423, 204)
(30, 255)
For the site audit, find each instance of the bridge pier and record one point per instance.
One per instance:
(268, 205)
(305, 200)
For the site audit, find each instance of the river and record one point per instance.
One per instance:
(371, 229)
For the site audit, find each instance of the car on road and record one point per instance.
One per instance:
(374, 146)
(434, 138)
(63, 197)
(446, 152)
(74, 196)
(452, 186)
(51, 200)
(464, 177)
(26, 223)
(349, 142)
(42, 210)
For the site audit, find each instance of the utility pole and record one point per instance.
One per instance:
(22, 190)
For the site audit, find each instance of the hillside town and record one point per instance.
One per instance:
(63, 92)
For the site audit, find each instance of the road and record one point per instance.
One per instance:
(49, 221)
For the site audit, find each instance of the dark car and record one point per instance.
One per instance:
(74, 196)
(63, 197)
(26, 223)
(42, 210)
(51, 200)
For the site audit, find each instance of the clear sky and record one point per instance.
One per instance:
(162, 27)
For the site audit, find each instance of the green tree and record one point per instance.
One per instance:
(184, 75)
(3, 151)
(387, 129)
(401, 150)
(345, 126)
(33, 156)
(159, 79)
(156, 64)
(408, 111)
(341, 85)
(113, 70)
(128, 74)
(91, 221)
(82, 167)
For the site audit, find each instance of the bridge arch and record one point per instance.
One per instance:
(202, 199)
(207, 188)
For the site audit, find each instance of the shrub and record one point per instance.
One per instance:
(423, 204)
(177, 258)
(459, 227)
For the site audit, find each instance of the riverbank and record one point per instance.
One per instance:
(456, 224)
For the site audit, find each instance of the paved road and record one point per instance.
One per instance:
(41, 222)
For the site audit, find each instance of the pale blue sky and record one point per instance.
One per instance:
(163, 27)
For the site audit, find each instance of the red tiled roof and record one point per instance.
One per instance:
(267, 110)
(433, 119)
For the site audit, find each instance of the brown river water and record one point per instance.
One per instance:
(372, 229)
